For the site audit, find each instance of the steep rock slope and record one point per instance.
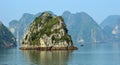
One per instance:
(7, 40)
(111, 26)
(18, 28)
(48, 32)
(83, 28)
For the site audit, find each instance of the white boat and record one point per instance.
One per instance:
(81, 40)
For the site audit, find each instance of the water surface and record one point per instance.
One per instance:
(89, 54)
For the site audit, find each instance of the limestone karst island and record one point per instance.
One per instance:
(7, 40)
(47, 32)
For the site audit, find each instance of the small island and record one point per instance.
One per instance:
(48, 32)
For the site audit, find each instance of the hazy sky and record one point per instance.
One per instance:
(98, 9)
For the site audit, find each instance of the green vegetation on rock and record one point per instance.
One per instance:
(50, 29)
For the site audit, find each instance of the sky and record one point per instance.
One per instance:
(97, 9)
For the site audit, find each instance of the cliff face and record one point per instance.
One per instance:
(111, 26)
(18, 28)
(83, 28)
(6, 38)
(48, 31)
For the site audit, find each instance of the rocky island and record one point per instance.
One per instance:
(47, 32)
(7, 40)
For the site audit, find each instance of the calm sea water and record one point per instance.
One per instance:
(89, 54)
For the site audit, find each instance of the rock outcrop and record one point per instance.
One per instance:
(83, 28)
(48, 32)
(7, 40)
(111, 26)
(18, 28)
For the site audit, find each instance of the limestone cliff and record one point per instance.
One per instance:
(7, 40)
(48, 32)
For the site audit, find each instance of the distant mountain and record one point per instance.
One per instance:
(83, 28)
(13, 26)
(7, 40)
(111, 26)
(18, 28)
(71, 20)
(80, 26)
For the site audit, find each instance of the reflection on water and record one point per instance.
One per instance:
(89, 54)
(47, 57)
